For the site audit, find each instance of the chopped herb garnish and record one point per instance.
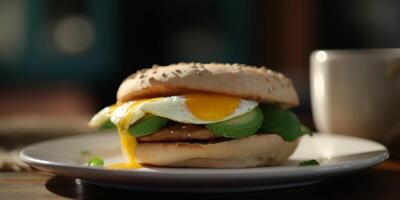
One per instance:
(95, 162)
(306, 130)
(308, 163)
(84, 152)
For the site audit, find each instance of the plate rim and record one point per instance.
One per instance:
(273, 172)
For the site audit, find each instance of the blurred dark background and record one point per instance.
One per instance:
(67, 57)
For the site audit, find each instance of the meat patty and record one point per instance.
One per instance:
(181, 133)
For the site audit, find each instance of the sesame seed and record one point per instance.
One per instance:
(132, 76)
(142, 76)
(178, 71)
(183, 126)
(172, 131)
(164, 75)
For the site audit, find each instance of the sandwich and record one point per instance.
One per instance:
(204, 116)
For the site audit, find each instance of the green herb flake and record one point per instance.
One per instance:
(95, 162)
(84, 152)
(308, 163)
(306, 130)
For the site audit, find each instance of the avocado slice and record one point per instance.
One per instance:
(107, 125)
(239, 127)
(147, 125)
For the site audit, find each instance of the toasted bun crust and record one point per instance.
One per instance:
(260, 84)
(253, 151)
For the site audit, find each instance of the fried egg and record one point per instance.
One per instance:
(190, 109)
(197, 108)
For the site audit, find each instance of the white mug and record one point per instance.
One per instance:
(357, 92)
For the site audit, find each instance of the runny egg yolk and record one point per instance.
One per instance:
(211, 107)
(128, 141)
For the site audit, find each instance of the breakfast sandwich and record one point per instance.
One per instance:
(204, 116)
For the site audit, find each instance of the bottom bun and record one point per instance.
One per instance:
(254, 151)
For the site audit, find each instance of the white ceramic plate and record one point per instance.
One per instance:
(337, 155)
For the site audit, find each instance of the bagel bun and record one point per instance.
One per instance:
(247, 82)
(254, 151)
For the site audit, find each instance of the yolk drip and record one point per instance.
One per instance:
(128, 141)
(128, 147)
(211, 106)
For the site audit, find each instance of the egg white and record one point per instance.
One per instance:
(173, 108)
(101, 117)
(123, 112)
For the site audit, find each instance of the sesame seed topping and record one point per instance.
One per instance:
(164, 75)
(132, 76)
(178, 71)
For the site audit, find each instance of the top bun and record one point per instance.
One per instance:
(247, 82)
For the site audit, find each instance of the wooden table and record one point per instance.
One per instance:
(381, 182)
